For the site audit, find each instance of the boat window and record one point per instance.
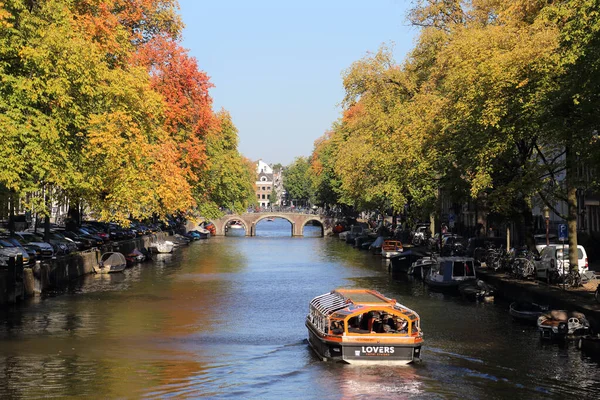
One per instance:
(463, 268)
(470, 269)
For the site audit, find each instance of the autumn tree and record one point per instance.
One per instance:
(228, 181)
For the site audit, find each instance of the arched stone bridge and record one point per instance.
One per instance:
(298, 221)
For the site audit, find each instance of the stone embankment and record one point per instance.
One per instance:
(555, 296)
(18, 283)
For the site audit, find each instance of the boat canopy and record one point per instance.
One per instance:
(342, 303)
(111, 258)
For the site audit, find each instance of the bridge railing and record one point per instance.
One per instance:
(295, 210)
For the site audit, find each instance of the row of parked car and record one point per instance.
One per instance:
(32, 246)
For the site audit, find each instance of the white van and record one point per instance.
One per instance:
(540, 241)
(555, 257)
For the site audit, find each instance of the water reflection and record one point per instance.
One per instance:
(224, 317)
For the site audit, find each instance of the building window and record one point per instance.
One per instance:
(258, 195)
(268, 187)
(263, 188)
(263, 196)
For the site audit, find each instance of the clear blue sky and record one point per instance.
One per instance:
(277, 64)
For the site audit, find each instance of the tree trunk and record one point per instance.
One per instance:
(48, 203)
(572, 209)
(11, 212)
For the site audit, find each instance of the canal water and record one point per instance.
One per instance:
(224, 318)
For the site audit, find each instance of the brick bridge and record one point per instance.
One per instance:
(298, 221)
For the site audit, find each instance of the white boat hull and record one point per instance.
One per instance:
(109, 269)
(162, 247)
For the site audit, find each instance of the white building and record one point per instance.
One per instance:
(264, 183)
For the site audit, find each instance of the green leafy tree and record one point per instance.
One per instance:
(297, 181)
(228, 181)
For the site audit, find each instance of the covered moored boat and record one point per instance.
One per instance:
(360, 326)
(111, 262)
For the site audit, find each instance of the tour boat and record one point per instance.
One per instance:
(391, 248)
(361, 326)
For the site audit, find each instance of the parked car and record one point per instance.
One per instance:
(7, 252)
(29, 238)
(484, 242)
(554, 261)
(453, 245)
(35, 253)
(94, 231)
(540, 241)
(5, 244)
(61, 240)
(434, 242)
(82, 243)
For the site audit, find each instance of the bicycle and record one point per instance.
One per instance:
(572, 279)
(523, 267)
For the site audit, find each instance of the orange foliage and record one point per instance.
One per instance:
(353, 113)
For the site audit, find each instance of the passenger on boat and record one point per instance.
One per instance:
(389, 325)
(353, 325)
(403, 326)
(337, 327)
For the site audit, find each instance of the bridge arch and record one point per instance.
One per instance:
(233, 218)
(319, 220)
(267, 216)
(298, 221)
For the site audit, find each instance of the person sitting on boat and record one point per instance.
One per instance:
(374, 322)
(403, 326)
(337, 327)
(353, 325)
(389, 325)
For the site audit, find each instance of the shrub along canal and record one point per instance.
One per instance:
(224, 317)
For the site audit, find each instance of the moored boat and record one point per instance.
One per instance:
(450, 272)
(360, 326)
(111, 262)
(561, 325)
(590, 345)
(477, 290)
(391, 248)
(420, 268)
(526, 311)
(236, 225)
(135, 256)
(401, 263)
(161, 247)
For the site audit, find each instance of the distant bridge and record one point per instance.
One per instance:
(297, 220)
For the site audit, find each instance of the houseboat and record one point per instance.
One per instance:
(360, 326)
(450, 272)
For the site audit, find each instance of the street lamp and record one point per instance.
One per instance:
(547, 218)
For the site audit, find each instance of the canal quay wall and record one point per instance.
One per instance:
(18, 282)
(511, 289)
